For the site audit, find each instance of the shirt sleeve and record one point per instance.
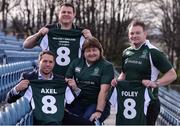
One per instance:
(160, 61)
(108, 74)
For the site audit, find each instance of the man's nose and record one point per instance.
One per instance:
(91, 52)
(48, 63)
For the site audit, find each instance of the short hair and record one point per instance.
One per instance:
(137, 23)
(92, 42)
(46, 52)
(66, 4)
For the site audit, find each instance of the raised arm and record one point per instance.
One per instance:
(31, 41)
(17, 92)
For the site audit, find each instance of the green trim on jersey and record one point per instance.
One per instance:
(89, 79)
(48, 96)
(133, 99)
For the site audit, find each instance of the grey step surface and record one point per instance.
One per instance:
(112, 117)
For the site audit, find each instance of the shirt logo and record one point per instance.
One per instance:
(129, 53)
(78, 69)
(144, 55)
(96, 71)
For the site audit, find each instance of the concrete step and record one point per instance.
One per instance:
(111, 120)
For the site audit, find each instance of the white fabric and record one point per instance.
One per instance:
(147, 100)
(28, 93)
(113, 99)
(44, 43)
(82, 39)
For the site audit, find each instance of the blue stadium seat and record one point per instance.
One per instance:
(27, 105)
(8, 117)
(14, 113)
(24, 112)
(2, 118)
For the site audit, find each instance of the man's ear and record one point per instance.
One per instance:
(145, 33)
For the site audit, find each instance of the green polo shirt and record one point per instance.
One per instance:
(89, 79)
(144, 63)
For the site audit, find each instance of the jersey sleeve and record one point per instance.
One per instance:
(69, 97)
(108, 74)
(43, 42)
(160, 61)
(123, 61)
(113, 98)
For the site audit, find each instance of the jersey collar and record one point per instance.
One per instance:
(140, 45)
(59, 26)
(88, 64)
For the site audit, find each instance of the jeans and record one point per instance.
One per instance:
(71, 119)
(86, 111)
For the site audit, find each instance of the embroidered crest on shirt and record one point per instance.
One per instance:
(77, 69)
(144, 55)
(96, 71)
(129, 53)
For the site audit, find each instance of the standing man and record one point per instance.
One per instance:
(64, 39)
(143, 62)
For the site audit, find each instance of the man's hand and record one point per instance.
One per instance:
(114, 82)
(87, 33)
(149, 83)
(22, 85)
(43, 31)
(95, 116)
(71, 83)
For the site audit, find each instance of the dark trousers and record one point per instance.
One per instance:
(73, 119)
(86, 111)
(152, 112)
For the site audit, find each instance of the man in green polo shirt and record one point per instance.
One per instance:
(143, 62)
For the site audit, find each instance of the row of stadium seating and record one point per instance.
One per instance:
(14, 53)
(170, 98)
(17, 113)
(11, 50)
(10, 47)
(14, 60)
(170, 108)
(10, 74)
(8, 37)
(166, 118)
(172, 94)
(16, 56)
